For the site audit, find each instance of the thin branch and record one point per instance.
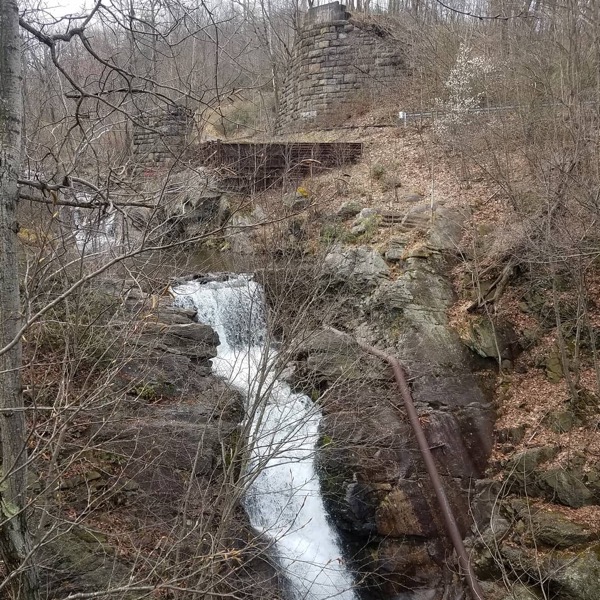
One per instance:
(522, 15)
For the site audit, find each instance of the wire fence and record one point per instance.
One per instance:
(405, 117)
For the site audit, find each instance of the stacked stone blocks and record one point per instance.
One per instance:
(335, 62)
(161, 135)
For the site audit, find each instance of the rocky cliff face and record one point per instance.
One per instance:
(528, 519)
(372, 472)
(153, 502)
(161, 467)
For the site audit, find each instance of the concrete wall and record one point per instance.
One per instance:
(337, 62)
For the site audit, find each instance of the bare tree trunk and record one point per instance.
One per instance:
(14, 539)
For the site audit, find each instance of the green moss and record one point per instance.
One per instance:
(325, 440)
(377, 172)
(371, 225)
(332, 232)
(146, 391)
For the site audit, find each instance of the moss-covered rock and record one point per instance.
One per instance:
(554, 368)
(562, 421)
(574, 576)
(552, 529)
(566, 487)
(491, 338)
(522, 470)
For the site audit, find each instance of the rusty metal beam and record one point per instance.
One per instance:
(436, 481)
(263, 164)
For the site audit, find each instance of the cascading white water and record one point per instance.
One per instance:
(94, 231)
(284, 500)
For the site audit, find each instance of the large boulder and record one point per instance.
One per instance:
(565, 484)
(550, 529)
(358, 268)
(192, 201)
(570, 575)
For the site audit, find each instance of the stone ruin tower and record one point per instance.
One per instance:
(338, 62)
(162, 135)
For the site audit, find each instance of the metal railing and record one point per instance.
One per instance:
(404, 116)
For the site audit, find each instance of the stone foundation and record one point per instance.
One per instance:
(338, 62)
(161, 136)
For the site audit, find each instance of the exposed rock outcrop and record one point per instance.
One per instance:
(372, 472)
(357, 267)
(153, 496)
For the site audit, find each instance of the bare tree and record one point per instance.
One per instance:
(15, 544)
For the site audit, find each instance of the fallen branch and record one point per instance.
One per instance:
(498, 286)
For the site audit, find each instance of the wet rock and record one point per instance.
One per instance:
(456, 437)
(405, 512)
(360, 508)
(328, 357)
(165, 358)
(175, 316)
(194, 340)
(407, 565)
(156, 454)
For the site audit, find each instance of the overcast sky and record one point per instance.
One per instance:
(60, 8)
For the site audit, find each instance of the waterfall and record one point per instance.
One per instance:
(283, 500)
(94, 230)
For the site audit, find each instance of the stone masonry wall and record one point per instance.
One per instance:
(337, 61)
(162, 137)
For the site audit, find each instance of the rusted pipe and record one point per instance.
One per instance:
(438, 487)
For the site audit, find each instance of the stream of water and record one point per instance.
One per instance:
(283, 501)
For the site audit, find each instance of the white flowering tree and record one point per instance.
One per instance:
(464, 91)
